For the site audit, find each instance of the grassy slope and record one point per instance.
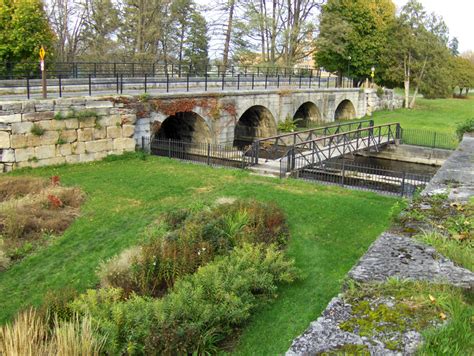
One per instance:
(441, 115)
(331, 228)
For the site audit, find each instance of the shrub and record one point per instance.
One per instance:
(37, 130)
(207, 306)
(117, 271)
(201, 309)
(196, 239)
(464, 127)
(289, 125)
(56, 305)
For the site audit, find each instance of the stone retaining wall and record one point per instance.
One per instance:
(48, 132)
(387, 101)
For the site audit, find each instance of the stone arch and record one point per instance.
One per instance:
(345, 111)
(183, 126)
(307, 114)
(256, 122)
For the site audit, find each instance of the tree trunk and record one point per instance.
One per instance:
(225, 58)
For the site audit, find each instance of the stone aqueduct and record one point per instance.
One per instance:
(244, 116)
(89, 128)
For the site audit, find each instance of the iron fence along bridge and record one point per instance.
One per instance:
(100, 79)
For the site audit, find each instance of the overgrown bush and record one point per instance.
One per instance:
(194, 240)
(201, 309)
(465, 127)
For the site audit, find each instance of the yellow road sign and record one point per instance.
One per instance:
(42, 53)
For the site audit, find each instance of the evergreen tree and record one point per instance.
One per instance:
(197, 42)
(454, 46)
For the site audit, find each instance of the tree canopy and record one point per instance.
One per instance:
(353, 34)
(24, 28)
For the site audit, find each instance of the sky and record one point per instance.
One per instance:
(458, 15)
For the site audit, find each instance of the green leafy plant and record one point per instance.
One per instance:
(289, 125)
(144, 97)
(201, 309)
(37, 130)
(464, 127)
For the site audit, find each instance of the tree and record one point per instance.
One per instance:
(462, 70)
(416, 52)
(454, 46)
(353, 35)
(101, 22)
(67, 21)
(24, 29)
(197, 43)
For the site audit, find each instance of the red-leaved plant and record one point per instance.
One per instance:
(55, 180)
(55, 201)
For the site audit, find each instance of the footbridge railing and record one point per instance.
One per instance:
(275, 147)
(315, 152)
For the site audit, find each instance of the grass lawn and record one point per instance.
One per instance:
(440, 115)
(330, 228)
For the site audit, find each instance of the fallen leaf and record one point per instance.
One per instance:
(433, 299)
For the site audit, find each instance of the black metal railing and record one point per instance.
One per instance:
(353, 175)
(9, 70)
(428, 138)
(276, 146)
(113, 78)
(205, 153)
(321, 149)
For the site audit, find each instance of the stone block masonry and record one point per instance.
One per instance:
(39, 133)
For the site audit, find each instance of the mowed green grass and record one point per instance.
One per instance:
(440, 115)
(330, 229)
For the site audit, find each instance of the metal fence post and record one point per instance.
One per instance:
(300, 82)
(28, 86)
(310, 77)
(434, 139)
(90, 85)
(117, 76)
(167, 82)
(145, 83)
(253, 80)
(187, 81)
(278, 80)
(205, 81)
(343, 171)
(121, 83)
(238, 81)
(208, 154)
(223, 81)
(402, 190)
(266, 80)
(60, 87)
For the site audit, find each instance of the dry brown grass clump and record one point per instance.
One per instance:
(16, 187)
(30, 335)
(32, 209)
